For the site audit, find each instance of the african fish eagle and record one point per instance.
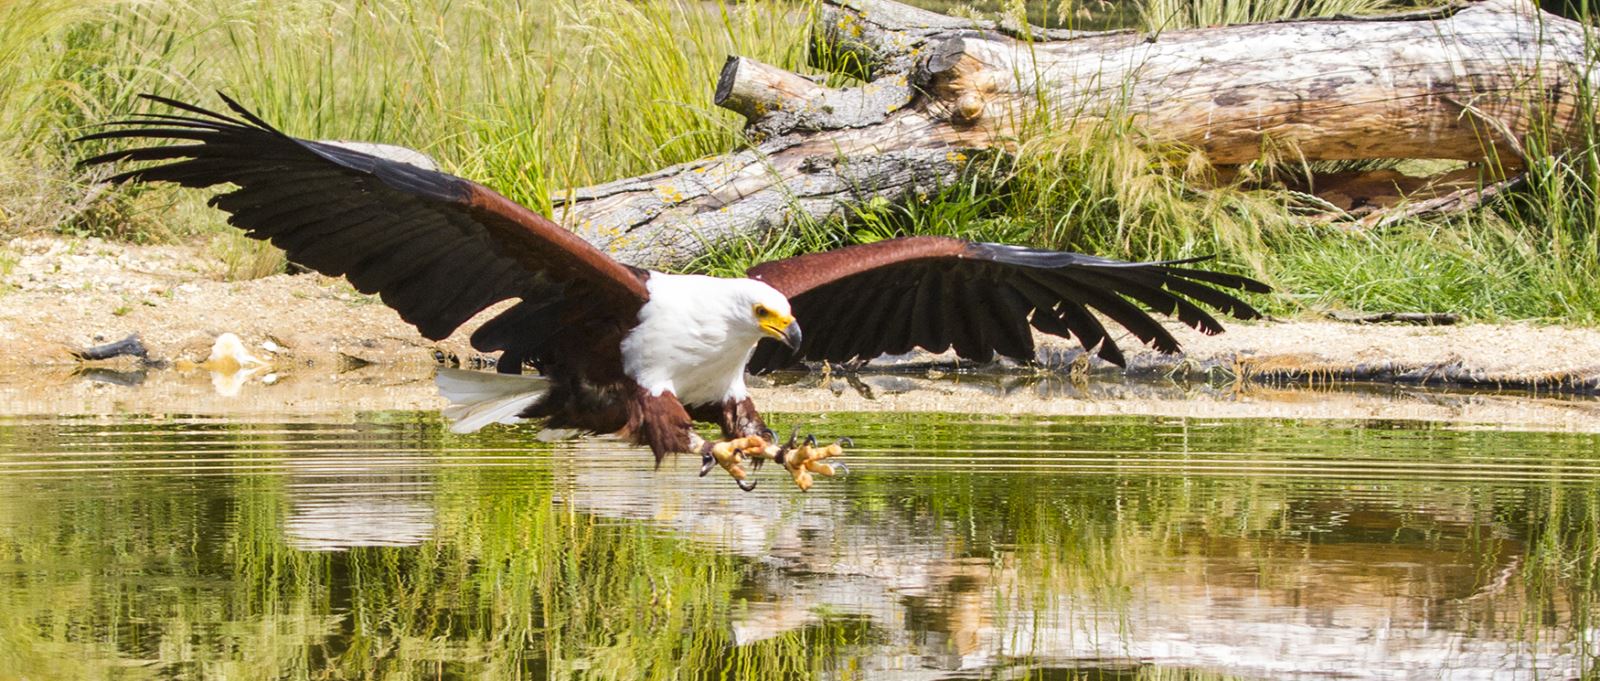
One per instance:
(625, 350)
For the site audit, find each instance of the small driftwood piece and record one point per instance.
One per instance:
(1466, 81)
(1418, 318)
(131, 346)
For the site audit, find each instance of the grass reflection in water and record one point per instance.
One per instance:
(383, 547)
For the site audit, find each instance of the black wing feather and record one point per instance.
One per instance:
(877, 301)
(936, 293)
(1011, 312)
(437, 248)
(1118, 309)
(971, 319)
(925, 330)
(1154, 297)
(899, 321)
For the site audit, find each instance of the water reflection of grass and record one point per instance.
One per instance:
(200, 580)
(123, 575)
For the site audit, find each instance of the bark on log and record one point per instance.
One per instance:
(1460, 82)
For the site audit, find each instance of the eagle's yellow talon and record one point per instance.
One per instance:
(749, 446)
(822, 469)
(723, 452)
(732, 455)
(805, 459)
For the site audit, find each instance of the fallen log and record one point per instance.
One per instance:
(1468, 81)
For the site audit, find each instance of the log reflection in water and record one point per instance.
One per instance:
(1353, 592)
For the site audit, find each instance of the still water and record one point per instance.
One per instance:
(381, 546)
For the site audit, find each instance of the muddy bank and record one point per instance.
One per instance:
(65, 294)
(322, 392)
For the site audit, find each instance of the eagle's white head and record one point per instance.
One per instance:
(756, 303)
(695, 334)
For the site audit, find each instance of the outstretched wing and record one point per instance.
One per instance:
(437, 248)
(936, 293)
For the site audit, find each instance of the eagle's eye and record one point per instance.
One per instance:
(762, 311)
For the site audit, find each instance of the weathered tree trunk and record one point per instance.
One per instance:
(1461, 82)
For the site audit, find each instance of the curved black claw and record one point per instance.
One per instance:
(741, 483)
(768, 435)
(707, 462)
(846, 442)
(839, 468)
(811, 440)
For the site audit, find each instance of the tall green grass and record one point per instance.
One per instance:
(534, 97)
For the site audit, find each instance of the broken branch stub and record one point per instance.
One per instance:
(774, 101)
(756, 90)
(1460, 82)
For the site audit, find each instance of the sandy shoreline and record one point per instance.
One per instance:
(64, 294)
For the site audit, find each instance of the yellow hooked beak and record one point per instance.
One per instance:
(783, 328)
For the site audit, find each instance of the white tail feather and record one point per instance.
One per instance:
(479, 398)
